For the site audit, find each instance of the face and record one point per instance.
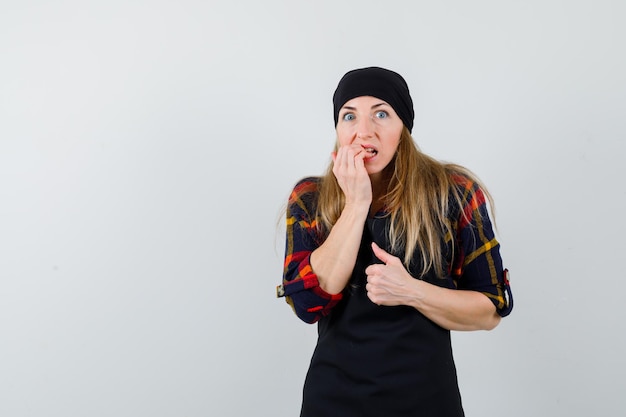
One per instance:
(372, 124)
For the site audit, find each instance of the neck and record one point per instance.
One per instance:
(380, 183)
(379, 186)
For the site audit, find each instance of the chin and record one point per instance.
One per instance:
(374, 171)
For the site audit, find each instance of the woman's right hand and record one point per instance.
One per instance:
(334, 260)
(349, 169)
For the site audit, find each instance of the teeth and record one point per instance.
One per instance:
(371, 151)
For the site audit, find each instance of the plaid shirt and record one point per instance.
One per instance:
(477, 264)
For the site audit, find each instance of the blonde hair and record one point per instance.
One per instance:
(418, 196)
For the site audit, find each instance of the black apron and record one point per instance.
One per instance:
(380, 361)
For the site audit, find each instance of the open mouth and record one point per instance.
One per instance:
(371, 151)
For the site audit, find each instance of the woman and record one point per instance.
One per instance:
(388, 252)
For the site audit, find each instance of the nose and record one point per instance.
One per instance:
(365, 127)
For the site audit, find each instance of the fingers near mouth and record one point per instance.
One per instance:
(370, 152)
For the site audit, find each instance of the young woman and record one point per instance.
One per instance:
(388, 252)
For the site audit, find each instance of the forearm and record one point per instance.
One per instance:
(334, 260)
(454, 309)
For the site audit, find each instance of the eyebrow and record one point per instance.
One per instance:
(373, 107)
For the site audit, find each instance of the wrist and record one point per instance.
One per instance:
(356, 208)
(417, 295)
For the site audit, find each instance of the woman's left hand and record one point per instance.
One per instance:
(389, 283)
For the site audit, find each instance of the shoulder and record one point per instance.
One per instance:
(463, 182)
(467, 199)
(468, 189)
(305, 189)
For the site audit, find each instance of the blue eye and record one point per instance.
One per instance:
(381, 114)
(348, 117)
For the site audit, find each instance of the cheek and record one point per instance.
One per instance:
(395, 147)
(396, 137)
(343, 137)
(393, 141)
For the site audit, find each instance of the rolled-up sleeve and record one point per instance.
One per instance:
(300, 285)
(477, 264)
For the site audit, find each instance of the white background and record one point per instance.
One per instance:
(147, 148)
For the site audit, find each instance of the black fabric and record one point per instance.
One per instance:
(380, 361)
(377, 82)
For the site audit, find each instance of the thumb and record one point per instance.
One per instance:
(382, 254)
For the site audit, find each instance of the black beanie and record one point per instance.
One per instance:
(377, 82)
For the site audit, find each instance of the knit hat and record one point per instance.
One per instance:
(377, 82)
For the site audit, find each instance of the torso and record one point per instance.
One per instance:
(380, 361)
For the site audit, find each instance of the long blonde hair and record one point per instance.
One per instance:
(417, 200)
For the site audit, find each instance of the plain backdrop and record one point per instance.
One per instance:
(148, 147)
